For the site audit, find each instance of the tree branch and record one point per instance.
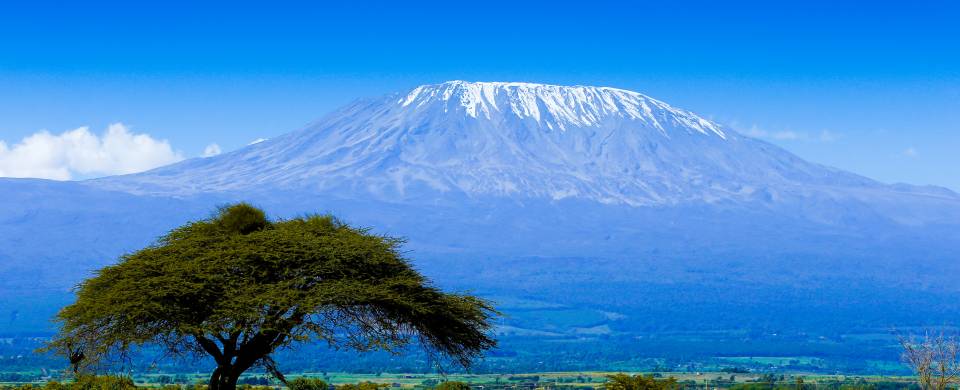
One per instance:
(211, 348)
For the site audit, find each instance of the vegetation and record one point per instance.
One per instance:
(452, 385)
(361, 386)
(934, 358)
(307, 384)
(639, 382)
(238, 287)
(85, 382)
(102, 382)
(553, 380)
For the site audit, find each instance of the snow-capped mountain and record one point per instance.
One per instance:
(581, 198)
(530, 141)
(512, 140)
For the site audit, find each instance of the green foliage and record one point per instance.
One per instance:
(639, 382)
(102, 382)
(361, 386)
(241, 218)
(238, 286)
(452, 385)
(307, 384)
(54, 385)
(85, 382)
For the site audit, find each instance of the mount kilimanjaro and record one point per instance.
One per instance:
(516, 140)
(583, 211)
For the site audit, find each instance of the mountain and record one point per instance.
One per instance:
(585, 212)
(530, 141)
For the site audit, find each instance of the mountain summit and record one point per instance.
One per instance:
(514, 140)
(556, 107)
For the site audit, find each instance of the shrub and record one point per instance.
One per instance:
(639, 382)
(54, 385)
(25, 386)
(103, 382)
(307, 384)
(361, 386)
(90, 382)
(452, 385)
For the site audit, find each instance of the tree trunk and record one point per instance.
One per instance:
(233, 361)
(224, 378)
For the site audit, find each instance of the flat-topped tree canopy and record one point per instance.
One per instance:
(238, 286)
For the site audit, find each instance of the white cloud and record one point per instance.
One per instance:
(827, 136)
(910, 152)
(788, 135)
(757, 132)
(257, 141)
(80, 153)
(211, 150)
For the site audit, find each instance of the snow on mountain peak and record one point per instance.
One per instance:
(506, 140)
(557, 107)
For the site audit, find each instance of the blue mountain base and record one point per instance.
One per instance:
(680, 282)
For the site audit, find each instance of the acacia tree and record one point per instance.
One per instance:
(238, 286)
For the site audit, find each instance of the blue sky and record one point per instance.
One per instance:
(873, 88)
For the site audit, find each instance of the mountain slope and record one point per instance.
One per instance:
(603, 209)
(533, 141)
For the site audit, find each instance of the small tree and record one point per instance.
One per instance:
(238, 286)
(933, 357)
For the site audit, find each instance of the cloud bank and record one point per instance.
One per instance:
(81, 154)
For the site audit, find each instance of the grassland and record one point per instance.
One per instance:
(552, 380)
